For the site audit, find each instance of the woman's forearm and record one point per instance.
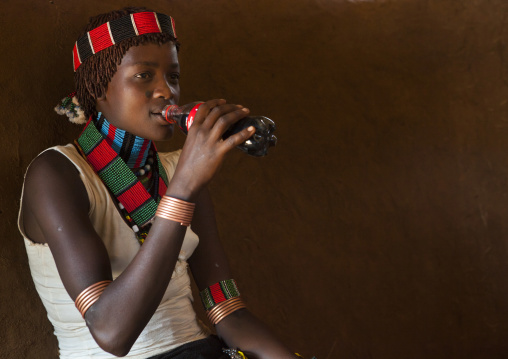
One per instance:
(126, 306)
(244, 331)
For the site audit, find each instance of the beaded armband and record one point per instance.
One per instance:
(219, 292)
(221, 299)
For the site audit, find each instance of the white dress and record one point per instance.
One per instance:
(174, 323)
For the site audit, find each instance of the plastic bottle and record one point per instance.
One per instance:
(257, 145)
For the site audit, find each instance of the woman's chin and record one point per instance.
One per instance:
(165, 133)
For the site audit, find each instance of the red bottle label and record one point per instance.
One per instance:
(192, 114)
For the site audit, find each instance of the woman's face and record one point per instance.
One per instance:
(145, 82)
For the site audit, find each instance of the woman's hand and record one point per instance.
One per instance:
(204, 148)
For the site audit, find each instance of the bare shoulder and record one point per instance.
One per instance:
(52, 174)
(52, 188)
(50, 162)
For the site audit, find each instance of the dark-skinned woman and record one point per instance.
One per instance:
(106, 219)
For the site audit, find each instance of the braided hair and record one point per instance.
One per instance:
(92, 77)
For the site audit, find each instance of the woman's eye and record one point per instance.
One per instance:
(175, 77)
(143, 75)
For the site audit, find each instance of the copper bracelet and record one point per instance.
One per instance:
(217, 315)
(221, 315)
(223, 309)
(175, 209)
(90, 295)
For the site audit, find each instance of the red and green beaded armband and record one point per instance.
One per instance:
(219, 292)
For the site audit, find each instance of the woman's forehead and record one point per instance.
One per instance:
(151, 54)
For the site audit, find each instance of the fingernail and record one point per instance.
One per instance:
(245, 109)
(250, 128)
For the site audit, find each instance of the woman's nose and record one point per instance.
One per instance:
(163, 90)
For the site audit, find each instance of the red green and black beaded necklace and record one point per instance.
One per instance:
(137, 205)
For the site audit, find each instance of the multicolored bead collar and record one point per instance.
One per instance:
(131, 148)
(124, 186)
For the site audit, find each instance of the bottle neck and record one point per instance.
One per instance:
(131, 148)
(183, 116)
(169, 113)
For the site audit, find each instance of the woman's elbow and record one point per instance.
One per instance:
(113, 346)
(112, 340)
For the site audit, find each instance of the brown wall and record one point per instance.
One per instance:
(377, 228)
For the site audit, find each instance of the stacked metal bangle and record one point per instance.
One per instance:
(223, 309)
(175, 209)
(90, 295)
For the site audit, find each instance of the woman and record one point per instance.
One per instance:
(105, 219)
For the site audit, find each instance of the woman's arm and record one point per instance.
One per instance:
(56, 206)
(56, 212)
(209, 265)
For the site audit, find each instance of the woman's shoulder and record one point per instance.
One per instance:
(64, 162)
(51, 189)
(53, 171)
(52, 162)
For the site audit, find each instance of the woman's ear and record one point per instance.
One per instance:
(102, 97)
(100, 102)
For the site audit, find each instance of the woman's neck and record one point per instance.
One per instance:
(131, 148)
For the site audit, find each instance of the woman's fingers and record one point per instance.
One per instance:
(220, 119)
(210, 112)
(226, 119)
(205, 108)
(238, 138)
(222, 115)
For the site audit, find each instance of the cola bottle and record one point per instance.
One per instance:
(257, 145)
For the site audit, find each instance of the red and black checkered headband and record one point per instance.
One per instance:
(114, 31)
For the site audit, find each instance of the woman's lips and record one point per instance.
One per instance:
(158, 116)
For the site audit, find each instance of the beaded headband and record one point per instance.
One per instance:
(114, 31)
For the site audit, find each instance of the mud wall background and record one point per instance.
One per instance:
(378, 226)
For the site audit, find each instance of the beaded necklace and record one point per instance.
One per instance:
(136, 204)
(131, 148)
